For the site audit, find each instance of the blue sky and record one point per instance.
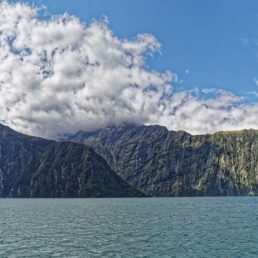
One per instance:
(59, 76)
(215, 41)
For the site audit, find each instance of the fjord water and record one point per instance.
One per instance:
(149, 227)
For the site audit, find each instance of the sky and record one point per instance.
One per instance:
(207, 43)
(187, 65)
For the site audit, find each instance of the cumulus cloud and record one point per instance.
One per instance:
(210, 113)
(59, 75)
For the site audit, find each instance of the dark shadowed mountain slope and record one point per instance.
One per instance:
(34, 167)
(167, 163)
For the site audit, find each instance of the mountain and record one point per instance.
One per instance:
(168, 163)
(35, 167)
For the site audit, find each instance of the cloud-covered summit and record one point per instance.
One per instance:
(59, 75)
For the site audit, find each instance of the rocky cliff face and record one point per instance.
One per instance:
(167, 163)
(34, 167)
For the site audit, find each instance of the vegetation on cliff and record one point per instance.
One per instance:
(35, 167)
(168, 163)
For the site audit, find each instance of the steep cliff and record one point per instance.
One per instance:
(34, 167)
(168, 163)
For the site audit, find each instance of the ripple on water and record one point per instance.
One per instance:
(151, 227)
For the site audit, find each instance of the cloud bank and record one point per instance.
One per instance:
(59, 75)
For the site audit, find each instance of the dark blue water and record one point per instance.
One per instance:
(152, 227)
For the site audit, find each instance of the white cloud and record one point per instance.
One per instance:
(256, 81)
(225, 111)
(59, 75)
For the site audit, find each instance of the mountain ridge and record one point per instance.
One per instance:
(170, 163)
(36, 167)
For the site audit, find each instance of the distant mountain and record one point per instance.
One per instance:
(168, 163)
(34, 167)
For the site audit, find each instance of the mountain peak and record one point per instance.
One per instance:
(35, 167)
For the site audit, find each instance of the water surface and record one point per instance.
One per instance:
(151, 227)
